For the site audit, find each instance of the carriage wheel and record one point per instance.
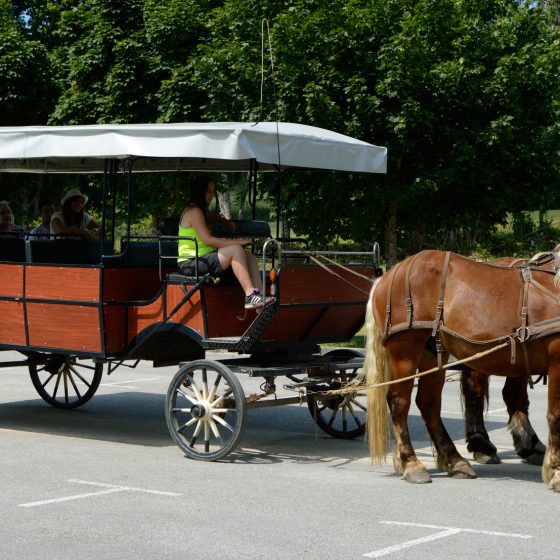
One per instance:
(205, 410)
(341, 416)
(63, 382)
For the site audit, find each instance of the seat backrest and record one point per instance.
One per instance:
(68, 250)
(243, 228)
(12, 248)
(146, 253)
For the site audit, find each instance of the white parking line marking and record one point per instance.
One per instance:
(109, 489)
(132, 488)
(69, 498)
(444, 532)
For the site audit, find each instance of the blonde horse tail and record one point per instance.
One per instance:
(377, 368)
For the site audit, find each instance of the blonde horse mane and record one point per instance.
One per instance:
(377, 370)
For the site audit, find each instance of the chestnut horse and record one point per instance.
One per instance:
(506, 319)
(475, 392)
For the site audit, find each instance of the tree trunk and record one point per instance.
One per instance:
(391, 234)
(224, 204)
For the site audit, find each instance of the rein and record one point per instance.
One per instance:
(331, 271)
(353, 388)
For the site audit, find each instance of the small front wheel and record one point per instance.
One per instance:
(341, 416)
(205, 410)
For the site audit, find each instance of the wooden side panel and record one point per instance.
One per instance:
(225, 312)
(115, 328)
(325, 306)
(312, 284)
(12, 329)
(143, 316)
(11, 280)
(339, 322)
(63, 283)
(69, 327)
(190, 314)
(291, 324)
(121, 284)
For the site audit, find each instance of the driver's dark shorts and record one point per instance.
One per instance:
(208, 264)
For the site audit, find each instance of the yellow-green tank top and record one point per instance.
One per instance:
(187, 247)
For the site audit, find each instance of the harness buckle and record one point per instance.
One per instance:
(526, 274)
(522, 333)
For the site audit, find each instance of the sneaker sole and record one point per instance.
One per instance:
(258, 305)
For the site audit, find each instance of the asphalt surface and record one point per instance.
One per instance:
(107, 481)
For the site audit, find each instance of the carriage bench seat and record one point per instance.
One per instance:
(177, 278)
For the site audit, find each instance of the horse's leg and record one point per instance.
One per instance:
(551, 463)
(526, 441)
(404, 354)
(428, 400)
(474, 389)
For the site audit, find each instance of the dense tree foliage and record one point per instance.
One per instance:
(464, 93)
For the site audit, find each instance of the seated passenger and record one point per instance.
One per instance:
(42, 231)
(216, 254)
(72, 220)
(7, 219)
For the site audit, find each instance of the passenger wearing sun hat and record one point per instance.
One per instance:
(72, 219)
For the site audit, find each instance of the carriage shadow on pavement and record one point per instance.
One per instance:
(275, 435)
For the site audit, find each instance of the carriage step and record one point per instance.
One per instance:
(223, 340)
(249, 338)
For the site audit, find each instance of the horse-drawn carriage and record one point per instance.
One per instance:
(77, 308)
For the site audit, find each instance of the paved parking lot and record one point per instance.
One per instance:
(106, 481)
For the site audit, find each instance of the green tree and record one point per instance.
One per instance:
(27, 87)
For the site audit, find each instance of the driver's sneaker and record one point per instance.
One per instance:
(256, 299)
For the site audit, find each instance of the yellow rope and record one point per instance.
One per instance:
(355, 388)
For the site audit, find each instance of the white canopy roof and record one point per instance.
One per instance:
(185, 147)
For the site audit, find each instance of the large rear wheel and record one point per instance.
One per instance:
(205, 410)
(64, 382)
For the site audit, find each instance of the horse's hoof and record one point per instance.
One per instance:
(417, 477)
(535, 459)
(555, 482)
(461, 470)
(484, 459)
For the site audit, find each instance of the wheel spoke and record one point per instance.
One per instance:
(189, 398)
(196, 392)
(216, 432)
(77, 373)
(56, 386)
(206, 437)
(353, 414)
(220, 420)
(77, 391)
(47, 381)
(214, 388)
(187, 424)
(204, 384)
(333, 417)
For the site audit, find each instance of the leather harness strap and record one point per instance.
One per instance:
(409, 306)
(522, 334)
(388, 305)
(439, 309)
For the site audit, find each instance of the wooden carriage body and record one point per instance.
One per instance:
(116, 312)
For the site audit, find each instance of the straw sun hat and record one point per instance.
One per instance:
(73, 193)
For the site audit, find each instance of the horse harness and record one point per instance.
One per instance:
(521, 335)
